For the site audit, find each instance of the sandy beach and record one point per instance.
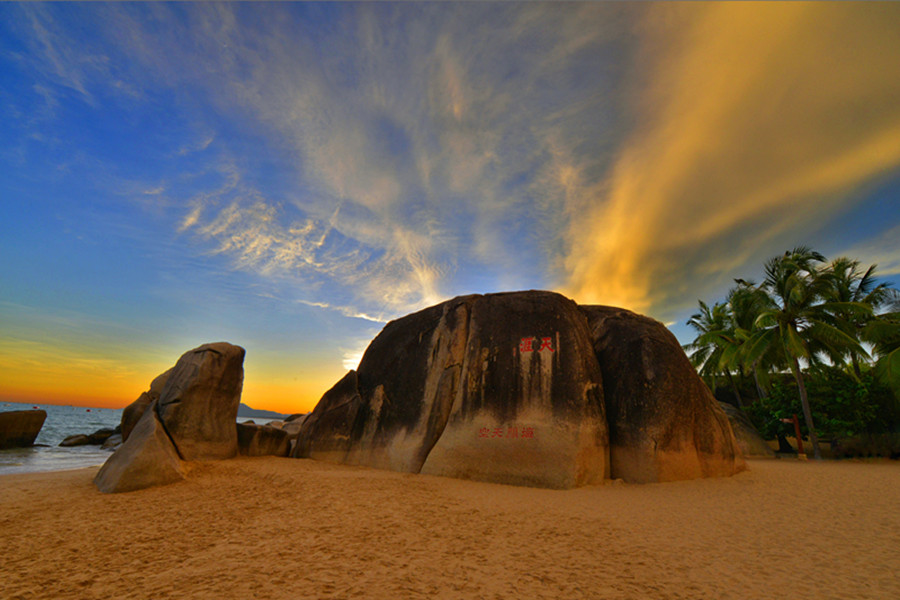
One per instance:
(284, 528)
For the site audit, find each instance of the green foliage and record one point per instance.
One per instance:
(842, 405)
(808, 317)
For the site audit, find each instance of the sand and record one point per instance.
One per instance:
(285, 528)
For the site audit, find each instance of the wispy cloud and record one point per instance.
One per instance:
(633, 155)
(883, 250)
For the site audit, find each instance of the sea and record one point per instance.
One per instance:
(63, 421)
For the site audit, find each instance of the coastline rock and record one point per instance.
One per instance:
(19, 428)
(148, 458)
(97, 438)
(199, 403)
(101, 435)
(748, 438)
(262, 440)
(664, 423)
(501, 387)
(134, 411)
(79, 439)
(294, 426)
(113, 441)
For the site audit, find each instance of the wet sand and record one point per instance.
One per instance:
(284, 528)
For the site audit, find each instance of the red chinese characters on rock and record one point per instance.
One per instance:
(511, 432)
(531, 344)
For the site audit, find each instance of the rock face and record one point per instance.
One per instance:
(664, 423)
(199, 403)
(502, 388)
(748, 438)
(193, 418)
(147, 459)
(134, 411)
(524, 388)
(262, 440)
(19, 428)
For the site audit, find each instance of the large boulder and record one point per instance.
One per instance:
(194, 418)
(134, 411)
(748, 438)
(199, 402)
(501, 387)
(19, 428)
(262, 440)
(664, 423)
(148, 458)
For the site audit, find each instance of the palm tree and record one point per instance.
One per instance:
(883, 333)
(798, 324)
(855, 296)
(705, 352)
(746, 302)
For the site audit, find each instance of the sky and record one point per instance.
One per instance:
(289, 177)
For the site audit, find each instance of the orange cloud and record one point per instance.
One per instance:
(756, 122)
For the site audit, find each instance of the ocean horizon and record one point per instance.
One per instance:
(63, 421)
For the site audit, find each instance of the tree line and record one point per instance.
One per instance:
(827, 326)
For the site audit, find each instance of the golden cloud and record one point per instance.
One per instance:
(756, 121)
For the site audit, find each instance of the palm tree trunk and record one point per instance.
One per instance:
(760, 392)
(856, 367)
(807, 413)
(737, 394)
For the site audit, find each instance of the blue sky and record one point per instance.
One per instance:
(290, 176)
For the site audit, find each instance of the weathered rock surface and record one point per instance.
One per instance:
(747, 436)
(19, 428)
(262, 440)
(502, 387)
(199, 403)
(664, 423)
(148, 458)
(134, 411)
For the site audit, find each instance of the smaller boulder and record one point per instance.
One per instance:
(261, 440)
(79, 439)
(101, 435)
(19, 428)
(747, 436)
(293, 426)
(113, 441)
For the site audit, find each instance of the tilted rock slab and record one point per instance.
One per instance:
(148, 458)
(664, 423)
(502, 388)
(19, 428)
(524, 388)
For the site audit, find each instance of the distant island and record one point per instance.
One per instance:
(245, 411)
